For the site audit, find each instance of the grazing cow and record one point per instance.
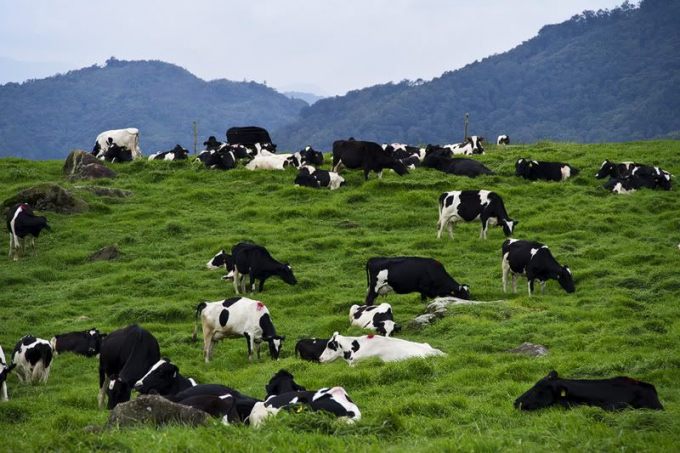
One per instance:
(164, 378)
(282, 382)
(367, 155)
(212, 143)
(270, 162)
(309, 176)
(126, 356)
(411, 162)
(123, 138)
(223, 407)
(4, 372)
(256, 262)
(374, 317)
(237, 317)
(222, 259)
(332, 400)
(86, 342)
(470, 205)
(471, 145)
(617, 393)
(310, 348)
(22, 222)
(177, 153)
(548, 171)
(503, 140)
(387, 349)
(459, 166)
(250, 136)
(534, 260)
(409, 274)
(33, 358)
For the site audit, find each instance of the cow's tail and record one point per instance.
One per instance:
(53, 343)
(442, 197)
(199, 309)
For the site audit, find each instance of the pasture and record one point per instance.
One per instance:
(623, 319)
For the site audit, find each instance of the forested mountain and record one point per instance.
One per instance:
(600, 76)
(46, 118)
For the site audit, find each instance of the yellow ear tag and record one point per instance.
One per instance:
(299, 409)
(564, 393)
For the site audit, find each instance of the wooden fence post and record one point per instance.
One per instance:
(467, 120)
(195, 137)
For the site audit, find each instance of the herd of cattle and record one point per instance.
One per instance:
(129, 358)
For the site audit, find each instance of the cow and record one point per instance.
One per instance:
(270, 162)
(503, 140)
(310, 348)
(203, 394)
(304, 179)
(123, 138)
(308, 156)
(177, 153)
(116, 153)
(411, 162)
(614, 170)
(534, 260)
(401, 151)
(471, 145)
(256, 262)
(86, 342)
(387, 349)
(367, 155)
(126, 355)
(374, 317)
(470, 205)
(222, 259)
(163, 378)
(250, 136)
(309, 176)
(212, 143)
(4, 372)
(460, 166)
(548, 171)
(409, 274)
(23, 225)
(660, 178)
(32, 357)
(223, 407)
(282, 382)
(237, 317)
(438, 151)
(612, 394)
(222, 159)
(334, 400)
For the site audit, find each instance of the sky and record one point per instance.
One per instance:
(326, 47)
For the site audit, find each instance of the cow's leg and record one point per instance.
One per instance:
(258, 344)
(250, 345)
(441, 225)
(380, 174)
(514, 283)
(236, 276)
(542, 286)
(243, 283)
(370, 297)
(103, 383)
(207, 340)
(505, 266)
(530, 284)
(252, 281)
(485, 226)
(5, 397)
(11, 244)
(261, 285)
(23, 246)
(35, 252)
(450, 225)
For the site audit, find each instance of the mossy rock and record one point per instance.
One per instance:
(49, 197)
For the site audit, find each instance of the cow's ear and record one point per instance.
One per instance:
(552, 375)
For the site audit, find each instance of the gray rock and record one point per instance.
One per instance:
(347, 224)
(533, 350)
(82, 165)
(439, 308)
(155, 410)
(421, 321)
(49, 197)
(105, 191)
(107, 253)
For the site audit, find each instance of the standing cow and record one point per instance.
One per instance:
(369, 156)
(470, 205)
(22, 222)
(4, 372)
(123, 138)
(256, 262)
(86, 342)
(534, 260)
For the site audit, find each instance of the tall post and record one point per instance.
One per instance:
(195, 137)
(467, 120)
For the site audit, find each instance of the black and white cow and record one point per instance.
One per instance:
(222, 260)
(503, 140)
(33, 358)
(471, 145)
(282, 382)
(272, 162)
(534, 260)
(410, 274)
(5, 369)
(23, 224)
(334, 400)
(222, 159)
(470, 205)
(460, 166)
(310, 348)
(223, 407)
(309, 156)
(256, 262)
(86, 342)
(369, 156)
(614, 170)
(163, 378)
(123, 138)
(635, 177)
(212, 143)
(617, 393)
(374, 317)
(116, 153)
(401, 151)
(126, 356)
(234, 318)
(387, 349)
(549, 171)
(309, 176)
(177, 153)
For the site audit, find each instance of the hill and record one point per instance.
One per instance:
(623, 319)
(47, 118)
(600, 76)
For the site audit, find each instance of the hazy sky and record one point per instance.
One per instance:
(324, 46)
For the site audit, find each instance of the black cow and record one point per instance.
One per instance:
(126, 355)
(534, 260)
(163, 378)
(367, 155)
(437, 151)
(212, 143)
(244, 404)
(460, 166)
(282, 382)
(117, 153)
(617, 393)
(469, 205)
(614, 170)
(311, 348)
(177, 153)
(86, 342)
(256, 262)
(223, 407)
(250, 136)
(548, 171)
(22, 222)
(409, 274)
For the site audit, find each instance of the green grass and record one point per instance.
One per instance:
(623, 319)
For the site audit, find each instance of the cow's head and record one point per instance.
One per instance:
(476, 142)
(388, 328)
(606, 169)
(509, 226)
(4, 371)
(160, 377)
(522, 167)
(212, 141)
(461, 292)
(286, 273)
(663, 179)
(221, 259)
(180, 153)
(311, 157)
(339, 346)
(94, 342)
(546, 392)
(566, 280)
(282, 382)
(275, 344)
(118, 391)
(397, 166)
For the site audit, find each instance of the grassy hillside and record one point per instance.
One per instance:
(623, 319)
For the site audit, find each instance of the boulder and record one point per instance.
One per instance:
(439, 308)
(108, 253)
(83, 165)
(155, 410)
(421, 321)
(49, 197)
(105, 191)
(533, 350)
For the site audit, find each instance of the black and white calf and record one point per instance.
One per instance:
(410, 274)
(33, 358)
(310, 348)
(387, 349)
(503, 140)
(164, 378)
(309, 176)
(202, 395)
(234, 318)
(5, 369)
(332, 400)
(282, 382)
(534, 260)
(177, 153)
(549, 171)
(374, 317)
(23, 224)
(126, 356)
(86, 342)
(223, 407)
(222, 260)
(612, 394)
(256, 262)
(470, 205)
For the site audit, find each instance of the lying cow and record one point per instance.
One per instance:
(503, 140)
(640, 177)
(202, 396)
(459, 166)
(614, 170)
(310, 348)
(234, 318)
(163, 378)
(222, 407)
(212, 143)
(609, 394)
(23, 225)
(116, 153)
(387, 349)
(408, 274)
(470, 205)
(332, 400)
(32, 357)
(401, 151)
(534, 260)
(86, 342)
(123, 138)
(309, 176)
(256, 262)
(369, 156)
(374, 317)
(309, 156)
(250, 136)
(471, 145)
(549, 171)
(177, 153)
(270, 162)
(4, 372)
(282, 382)
(222, 159)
